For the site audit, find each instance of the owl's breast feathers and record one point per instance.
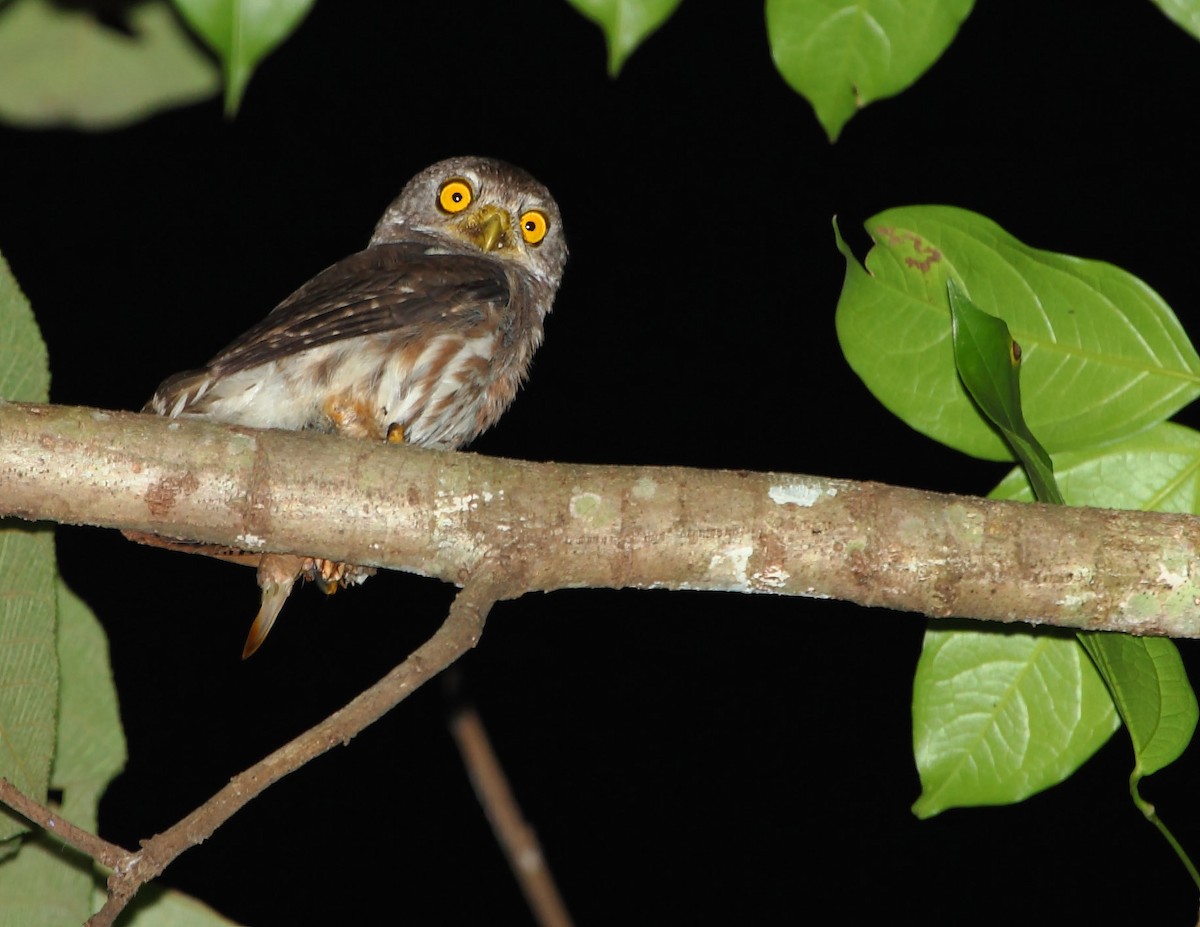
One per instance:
(435, 343)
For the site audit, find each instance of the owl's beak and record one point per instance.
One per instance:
(488, 228)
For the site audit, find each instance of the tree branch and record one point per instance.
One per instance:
(560, 526)
(103, 852)
(517, 839)
(458, 634)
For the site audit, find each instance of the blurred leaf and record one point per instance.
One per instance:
(60, 66)
(47, 885)
(998, 716)
(625, 23)
(28, 663)
(843, 55)
(989, 363)
(24, 368)
(1102, 355)
(242, 33)
(50, 883)
(91, 744)
(1184, 13)
(157, 906)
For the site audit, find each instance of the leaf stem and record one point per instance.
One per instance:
(1152, 816)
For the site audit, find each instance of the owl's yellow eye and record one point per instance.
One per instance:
(533, 226)
(455, 195)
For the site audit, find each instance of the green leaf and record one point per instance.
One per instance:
(988, 361)
(999, 716)
(626, 24)
(843, 55)
(1103, 355)
(1184, 13)
(1152, 693)
(989, 364)
(242, 33)
(28, 663)
(1155, 470)
(1150, 687)
(60, 66)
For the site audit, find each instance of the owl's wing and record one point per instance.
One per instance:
(386, 288)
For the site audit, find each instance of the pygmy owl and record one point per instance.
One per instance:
(422, 337)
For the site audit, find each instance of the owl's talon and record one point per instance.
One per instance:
(395, 433)
(351, 416)
(332, 575)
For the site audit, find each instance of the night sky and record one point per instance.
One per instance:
(686, 758)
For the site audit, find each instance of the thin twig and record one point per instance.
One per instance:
(515, 836)
(99, 849)
(458, 634)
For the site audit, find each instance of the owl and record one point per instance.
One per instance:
(423, 337)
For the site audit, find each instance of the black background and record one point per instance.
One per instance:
(686, 758)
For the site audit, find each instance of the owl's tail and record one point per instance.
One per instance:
(277, 574)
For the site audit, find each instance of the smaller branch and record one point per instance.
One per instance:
(108, 854)
(458, 634)
(515, 836)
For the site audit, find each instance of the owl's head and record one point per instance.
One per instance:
(483, 205)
